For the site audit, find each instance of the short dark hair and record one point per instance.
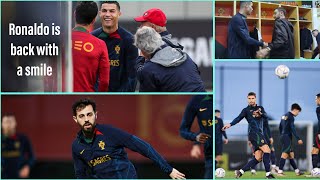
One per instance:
(252, 94)
(81, 104)
(112, 2)
(243, 3)
(295, 106)
(318, 95)
(315, 30)
(281, 9)
(86, 12)
(217, 111)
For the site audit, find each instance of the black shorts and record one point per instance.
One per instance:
(286, 142)
(257, 140)
(316, 142)
(218, 148)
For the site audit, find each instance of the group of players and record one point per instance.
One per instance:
(107, 59)
(261, 141)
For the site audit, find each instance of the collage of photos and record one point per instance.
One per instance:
(127, 89)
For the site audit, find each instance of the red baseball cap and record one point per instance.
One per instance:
(155, 16)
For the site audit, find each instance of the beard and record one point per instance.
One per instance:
(88, 127)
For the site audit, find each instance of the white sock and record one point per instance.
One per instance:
(242, 172)
(267, 173)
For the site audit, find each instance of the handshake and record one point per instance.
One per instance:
(262, 53)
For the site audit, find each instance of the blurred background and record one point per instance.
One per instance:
(47, 121)
(190, 23)
(234, 80)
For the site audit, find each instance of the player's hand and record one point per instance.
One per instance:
(319, 136)
(24, 172)
(202, 137)
(226, 127)
(300, 142)
(262, 53)
(175, 174)
(226, 141)
(265, 44)
(195, 151)
(271, 140)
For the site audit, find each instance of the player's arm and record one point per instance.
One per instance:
(293, 129)
(188, 117)
(131, 55)
(187, 120)
(220, 121)
(240, 28)
(138, 145)
(80, 167)
(104, 68)
(281, 36)
(28, 152)
(28, 158)
(236, 120)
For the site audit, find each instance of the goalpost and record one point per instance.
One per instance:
(237, 152)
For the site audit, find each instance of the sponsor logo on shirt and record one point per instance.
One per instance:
(99, 160)
(88, 46)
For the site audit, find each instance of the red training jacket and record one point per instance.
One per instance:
(91, 67)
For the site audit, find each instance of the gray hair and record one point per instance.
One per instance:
(147, 40)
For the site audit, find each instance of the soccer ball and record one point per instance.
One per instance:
(315, 172)
(220, 173)
(282, 71)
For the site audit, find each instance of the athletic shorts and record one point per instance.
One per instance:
(286, 142)
(257, 140)
(316, 142)
(218, 148)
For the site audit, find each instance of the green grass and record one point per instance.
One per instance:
(262, 175)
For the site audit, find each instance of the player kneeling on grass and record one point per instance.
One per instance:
(165, 68)
(98, 151)
(286, 129)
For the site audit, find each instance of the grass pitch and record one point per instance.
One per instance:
(262, 175)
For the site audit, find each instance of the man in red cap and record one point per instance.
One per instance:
(156, 19)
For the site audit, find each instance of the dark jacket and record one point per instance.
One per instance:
(106, 158)
(169, 70)
(305, 39)
(16, 152)
(122, 55)
(282, 45)
(239, 40)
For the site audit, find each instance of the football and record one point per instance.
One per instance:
(282, 71)
(220, 173)
(315, 172)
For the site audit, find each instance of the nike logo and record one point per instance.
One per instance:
(202, 109)
(81, 152)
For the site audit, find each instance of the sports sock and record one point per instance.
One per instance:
(281, 163)
(273, 157)
(293, 164)
(266, 161)
(253, 162)
(315, 160)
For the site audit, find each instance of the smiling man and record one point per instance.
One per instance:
(122, 52)
(98, 151)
